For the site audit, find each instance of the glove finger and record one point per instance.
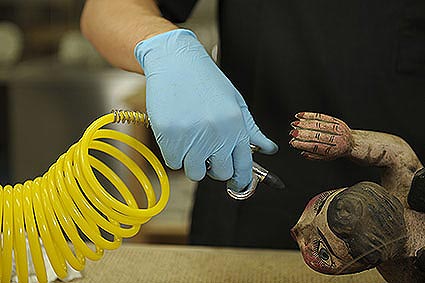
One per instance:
(221, 167)
(256, 137)
(194, 166)
(172, 151)
(242, 165)
(172, 161)
(267, 146)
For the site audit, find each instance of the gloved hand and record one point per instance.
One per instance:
(196, 113)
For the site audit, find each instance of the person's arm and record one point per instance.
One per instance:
(323, 137)
(115, 27)
(195, 112)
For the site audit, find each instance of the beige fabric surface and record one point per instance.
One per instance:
(161, 263)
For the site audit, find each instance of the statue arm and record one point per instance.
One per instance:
(322, 137)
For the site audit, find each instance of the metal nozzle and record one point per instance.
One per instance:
(259, 174)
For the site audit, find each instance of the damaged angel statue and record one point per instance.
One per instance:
(366, 225)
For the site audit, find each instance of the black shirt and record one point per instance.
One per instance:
(361, 61)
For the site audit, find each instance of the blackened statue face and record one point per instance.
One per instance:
(351, 229)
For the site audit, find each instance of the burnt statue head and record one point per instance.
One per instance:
(351, 229)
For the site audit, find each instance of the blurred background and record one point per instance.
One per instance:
(53, 84)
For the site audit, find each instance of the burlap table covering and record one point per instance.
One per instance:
(161, 263)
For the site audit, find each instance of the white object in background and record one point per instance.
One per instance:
(11, 43)
(75, 50)
(51, 275)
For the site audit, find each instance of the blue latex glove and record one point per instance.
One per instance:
(196, 113)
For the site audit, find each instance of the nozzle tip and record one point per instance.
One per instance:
(274, 181)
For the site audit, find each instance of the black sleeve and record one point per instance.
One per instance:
(176, 11)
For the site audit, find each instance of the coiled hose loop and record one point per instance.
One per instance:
(69, 200)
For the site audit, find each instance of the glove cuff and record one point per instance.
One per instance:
(162, 44)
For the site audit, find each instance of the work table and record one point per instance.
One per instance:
(164, 263)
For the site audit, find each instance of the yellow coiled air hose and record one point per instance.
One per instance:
(70, 200)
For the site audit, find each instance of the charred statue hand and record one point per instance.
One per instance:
(320, 136)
